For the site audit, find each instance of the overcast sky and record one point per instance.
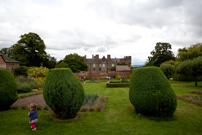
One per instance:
(89, 27)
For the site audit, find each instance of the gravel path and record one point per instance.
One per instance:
(26, 101)
(23, 103)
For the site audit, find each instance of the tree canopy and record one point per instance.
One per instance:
(191, 67)
(190, 53)
(30, 51)
(75, 62)
(167, 69)
(160, 54)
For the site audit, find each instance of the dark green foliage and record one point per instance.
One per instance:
(24, 88)
(8, 89)
(118, 81)
(25, 84)
(167, 69)
(22, 70)
(117, 85)
(75, 62)
(62, 65)
(63, 92)
(161, 54)
(112, 69)
(30, 51)
(191, 52)
(150, 92)
(191, 67)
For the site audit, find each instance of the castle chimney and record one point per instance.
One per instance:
(97, 56)
(108, 56)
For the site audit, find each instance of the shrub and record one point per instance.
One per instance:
(8, 89)
(22, 70)
(24, 88)
(118, 77)
(150, 92)
(37, 72)
(24, 84)
(116, 85)
(63, 92)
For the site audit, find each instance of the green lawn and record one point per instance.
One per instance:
(118, 118)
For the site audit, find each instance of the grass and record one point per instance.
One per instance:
(119, 117)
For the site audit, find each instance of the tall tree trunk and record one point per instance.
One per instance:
(195, 78)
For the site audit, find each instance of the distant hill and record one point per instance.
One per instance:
(137, 66)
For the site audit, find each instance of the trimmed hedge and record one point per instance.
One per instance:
(118, 82)
(8, 89)
(63, 92)
(115, 85)
(151, 93)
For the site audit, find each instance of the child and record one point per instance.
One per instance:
(33, 116)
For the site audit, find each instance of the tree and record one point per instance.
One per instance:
(29, 50)
(167, 69)
(191, 67)
(7, 51)
(50, 62)
(75, 62)
(196, 66)
(190, 53)
(184, 68)
(62, 65)
(161, 54)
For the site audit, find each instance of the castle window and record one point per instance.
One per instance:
(93, 65)
(103, 65)
(93, 69)
(99, 69)
(112, 65)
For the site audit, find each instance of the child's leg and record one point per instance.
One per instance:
(33, 125)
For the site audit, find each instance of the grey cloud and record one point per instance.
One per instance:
(151, 14)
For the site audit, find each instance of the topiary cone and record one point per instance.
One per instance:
(151, 93)
(8, 89)
(63, 92)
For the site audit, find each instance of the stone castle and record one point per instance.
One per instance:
(97, 64)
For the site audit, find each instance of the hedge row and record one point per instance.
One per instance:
(115, 81)
(115, 85)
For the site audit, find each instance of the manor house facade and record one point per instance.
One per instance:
(104, 64)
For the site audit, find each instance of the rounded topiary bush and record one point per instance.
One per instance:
(151, 93)
(8, 89)
(63, 92)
